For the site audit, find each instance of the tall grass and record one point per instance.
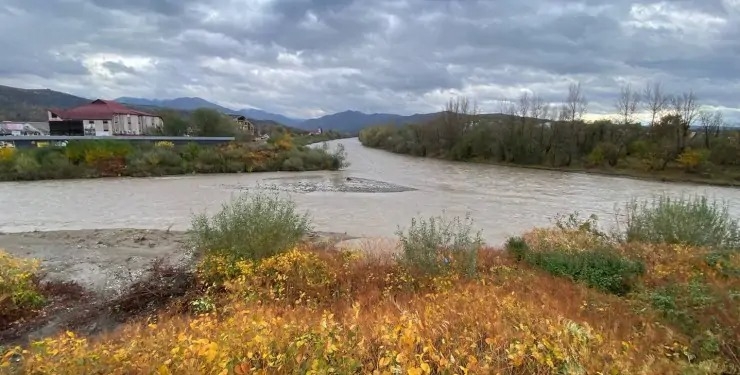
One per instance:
(437, 245)
(251, 226)
(695, 221)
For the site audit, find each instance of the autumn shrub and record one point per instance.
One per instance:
(693, 221)
(296, 277)
(19, 289)
(437, 245)
(477, 327)
(7, 153)
(164, 144)
(693, 159)
(253, 226)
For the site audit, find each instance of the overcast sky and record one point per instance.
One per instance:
(306, 58)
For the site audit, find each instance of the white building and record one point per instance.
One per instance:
(101, 118)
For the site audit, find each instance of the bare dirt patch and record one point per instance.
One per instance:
(95, 280)
(102, 262)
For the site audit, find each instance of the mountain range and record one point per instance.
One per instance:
(18, 104)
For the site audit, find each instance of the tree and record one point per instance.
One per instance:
(210, 123)
(685, 107)
(458, 117)
(172, 123)
(575, 104)
(655, 101)
(627, 104)
(711, 124)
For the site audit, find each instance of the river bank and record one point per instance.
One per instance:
(659, 176)
(97, 279)
(102, 158)
(566, 296)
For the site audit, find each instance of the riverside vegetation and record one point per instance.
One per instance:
(90, 159)
(659, 296)
(683, 141)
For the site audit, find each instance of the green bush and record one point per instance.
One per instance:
(692, 221)
(517, 247)
(251, 226)
(437, 245)
(600, 269)
(294, 163)
(26, 167)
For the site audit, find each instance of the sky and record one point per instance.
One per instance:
(307, 58)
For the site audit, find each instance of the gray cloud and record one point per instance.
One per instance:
(309, 57)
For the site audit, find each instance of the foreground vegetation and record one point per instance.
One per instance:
(683, 142)
(567, 299)
(90, 159)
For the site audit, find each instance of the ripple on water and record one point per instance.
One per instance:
(311, 184)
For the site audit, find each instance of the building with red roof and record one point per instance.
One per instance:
(101, 118)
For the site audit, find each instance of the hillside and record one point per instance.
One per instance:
(193, 103)
(31, 104)
(18, 104)
(354, 121)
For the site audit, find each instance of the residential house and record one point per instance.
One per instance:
(243, 123)
(101, 118)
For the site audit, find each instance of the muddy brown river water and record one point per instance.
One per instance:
(384, 190)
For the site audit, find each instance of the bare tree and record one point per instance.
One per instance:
(627, 104)
(523, 105)
(711, 124)
(685, 107)
(575, 104)
(459, 116)
(655, 101)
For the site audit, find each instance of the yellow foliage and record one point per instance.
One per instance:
(569, 240)
(164, 144)
(18, 289)
(6, 153)
(691, 159)
(285, 142)
(511, 320)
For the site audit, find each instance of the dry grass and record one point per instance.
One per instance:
(323, 312)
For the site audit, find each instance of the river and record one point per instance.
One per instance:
(503, 201)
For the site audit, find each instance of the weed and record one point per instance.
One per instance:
(251, 226)
(692, 221)
(437, 245)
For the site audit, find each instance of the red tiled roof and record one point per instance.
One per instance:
(97, 110)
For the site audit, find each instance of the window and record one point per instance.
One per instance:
(106, 127)
(91, 122)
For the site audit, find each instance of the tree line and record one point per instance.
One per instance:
(680, 133)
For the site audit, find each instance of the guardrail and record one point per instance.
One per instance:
(44, 140)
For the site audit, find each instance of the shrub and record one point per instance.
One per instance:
(164, 144)
(251, 226)
(294, 163)
(693, 159)
(6, 153)
(26, 167)
(437, 245)
(295, 277)
(692, 221)
(18, 286)
(601, 269)
(582, 254)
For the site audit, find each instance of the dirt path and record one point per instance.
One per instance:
(103, 262)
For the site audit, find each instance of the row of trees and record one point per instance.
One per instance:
(203, 122)
(530, 130)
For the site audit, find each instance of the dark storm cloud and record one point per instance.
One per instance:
(306, 57)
